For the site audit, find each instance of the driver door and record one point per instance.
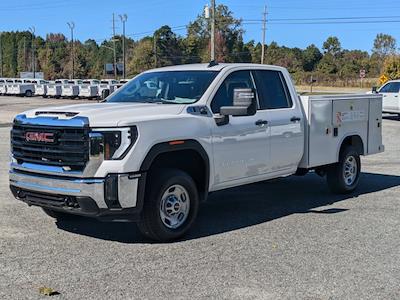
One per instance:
(241, 147)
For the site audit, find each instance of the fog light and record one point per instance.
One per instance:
(111, 191)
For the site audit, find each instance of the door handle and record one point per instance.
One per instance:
(295, 119)
(261, 122)
(395, 96)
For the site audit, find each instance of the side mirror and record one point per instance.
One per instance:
(244, 104)
(375, 89)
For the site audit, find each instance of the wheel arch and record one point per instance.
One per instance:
(187, 155)
(352, 140)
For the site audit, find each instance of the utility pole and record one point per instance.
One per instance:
(212, 30)
(71, 26)
(32, 31)
(263, 35)
(115, 51)
(155, 50)
(25, 55)
(1, 55)
(123, 18)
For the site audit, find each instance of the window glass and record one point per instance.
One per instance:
(224, 95)
(392, 87)
(170, 87)
(273, 91)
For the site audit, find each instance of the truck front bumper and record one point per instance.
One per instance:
(115, 198)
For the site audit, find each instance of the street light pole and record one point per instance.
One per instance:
(123, 18)
(32, 31)
(115, 50)
(71, 26)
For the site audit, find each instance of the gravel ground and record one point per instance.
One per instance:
(283, 239)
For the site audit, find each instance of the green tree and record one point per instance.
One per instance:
(142, 57)
(332, 46)
(391, 67)
(384, 45)
(311, 57)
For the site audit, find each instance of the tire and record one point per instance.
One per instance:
(349, 162)
(160, 209)
(28, 93)
(59, 216)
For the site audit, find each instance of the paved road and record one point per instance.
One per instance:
(284, 239)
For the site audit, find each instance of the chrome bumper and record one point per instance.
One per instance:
(78, 187)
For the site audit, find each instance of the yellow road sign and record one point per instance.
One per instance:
(383, 79)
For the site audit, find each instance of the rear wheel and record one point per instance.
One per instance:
(60, 216)
(343, 177)
(171, 206)
(28, 93)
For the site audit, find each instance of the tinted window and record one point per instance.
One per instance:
(224, 95)
(392, 87)
(273, 90)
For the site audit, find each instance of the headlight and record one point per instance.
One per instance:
(115, 143)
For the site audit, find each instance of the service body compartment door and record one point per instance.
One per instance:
(321, 147)
(375, 126)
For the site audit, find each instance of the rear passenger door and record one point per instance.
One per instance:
(285, 120)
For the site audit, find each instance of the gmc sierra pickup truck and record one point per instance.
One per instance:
(154, 149)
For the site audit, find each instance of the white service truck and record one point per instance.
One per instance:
(41, 88)
(3, 86)
(71, 88)
(54, 88)
(151, 155)
(23, 87)
(89, 88)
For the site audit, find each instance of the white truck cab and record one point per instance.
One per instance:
(160, 144)
(391, 96)
(71, 88)
(54, 88)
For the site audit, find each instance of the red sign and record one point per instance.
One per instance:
(362, 73)
(40, 137)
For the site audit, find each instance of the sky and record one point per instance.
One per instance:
(93, 18)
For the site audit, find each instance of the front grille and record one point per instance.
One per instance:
(69, 150)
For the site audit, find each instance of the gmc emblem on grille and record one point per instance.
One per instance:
(40, 137)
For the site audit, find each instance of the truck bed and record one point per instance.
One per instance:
(332, 118)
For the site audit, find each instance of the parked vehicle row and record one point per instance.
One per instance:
(60, 88)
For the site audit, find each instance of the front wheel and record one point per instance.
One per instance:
(343, 177)
(171, 206)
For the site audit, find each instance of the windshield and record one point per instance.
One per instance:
(174, 87)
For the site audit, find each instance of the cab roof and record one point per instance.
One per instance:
(205, 67)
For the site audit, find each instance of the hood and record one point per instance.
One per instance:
(110, 114)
